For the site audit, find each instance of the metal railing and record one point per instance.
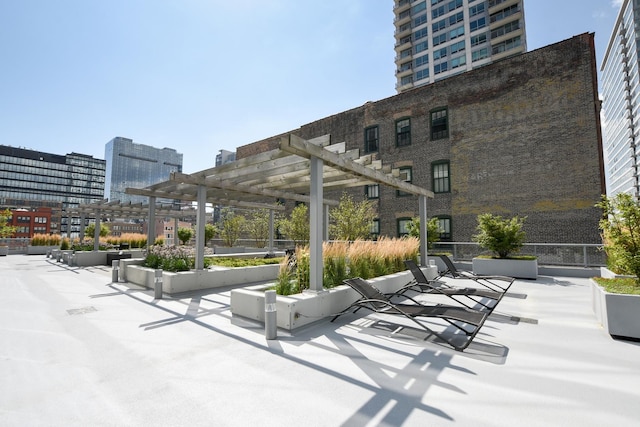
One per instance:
(569, 254)
(16, 245)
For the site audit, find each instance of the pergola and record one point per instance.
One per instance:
(297, 170)
(116, 209)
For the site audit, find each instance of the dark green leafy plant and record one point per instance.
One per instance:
(502, 236)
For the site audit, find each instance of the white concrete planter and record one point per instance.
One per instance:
(199, 279)
(40, 250)
(299, 310)
(518, 268)
(619, 314)
(608, 274)
(4, 250)
(139, 275)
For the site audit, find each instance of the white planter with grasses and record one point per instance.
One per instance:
(308, 307)
(192, 280)
(619, 314)
(40, 249)
(511, 267)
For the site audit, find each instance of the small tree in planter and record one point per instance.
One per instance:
(6, 230)
(185, 234)
(621, 233)
(502, 236)
(351, 220)
(433, 230)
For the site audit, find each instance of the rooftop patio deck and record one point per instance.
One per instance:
(77, 349)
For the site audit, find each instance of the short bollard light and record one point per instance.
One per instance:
(157, 284)
(270, 315)
(115, 265)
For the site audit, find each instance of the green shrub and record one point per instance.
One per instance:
(621, 233)
(502, 236)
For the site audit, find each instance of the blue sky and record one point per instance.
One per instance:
(205, 75)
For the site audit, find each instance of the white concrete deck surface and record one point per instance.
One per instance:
(78, 350)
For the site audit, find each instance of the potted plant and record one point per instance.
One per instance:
(503, 237)
(6, 230)
(616, 295)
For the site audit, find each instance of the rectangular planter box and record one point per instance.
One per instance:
(619, 314)
(518, 268)
(294, 311)
(40, 250)
(199, 279)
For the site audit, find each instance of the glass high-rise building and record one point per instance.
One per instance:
(136, 166)
(620, 83)
(34, 179)
(439, 38)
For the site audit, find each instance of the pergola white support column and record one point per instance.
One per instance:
(422, 200)
(96, 232)
(316, 225)
(201, 219)
(69, 220)
(83, 219)
(176, 241)
(271, 220)
(325, 229)
(151, 228)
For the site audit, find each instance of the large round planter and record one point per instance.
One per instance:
(518, 268)
(619, 314)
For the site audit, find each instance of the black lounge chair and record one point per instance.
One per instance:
(464, 319)
(489, 282)
(422, 285)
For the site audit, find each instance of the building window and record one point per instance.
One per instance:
(375, 227)
(477, 24)
(371, 139)
(422, 60)
(439, 124)
(480, 54)
(406, 174)
(372, 191)
(403, 226)
(444, 226)
(479, 39)
(440, 177)
(422, 74)
(403, 132)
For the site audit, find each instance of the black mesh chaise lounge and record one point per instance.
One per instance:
(490, 282)
(466, 320)
(469, 297)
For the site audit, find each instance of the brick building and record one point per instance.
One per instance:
(31, 221)
(520, 136)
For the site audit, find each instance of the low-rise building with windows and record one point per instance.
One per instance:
(518, 137)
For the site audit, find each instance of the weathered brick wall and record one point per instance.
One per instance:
(524, 139)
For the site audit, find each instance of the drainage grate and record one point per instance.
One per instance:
(83, 310)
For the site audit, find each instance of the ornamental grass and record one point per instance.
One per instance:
(343, 260)
(40, 239)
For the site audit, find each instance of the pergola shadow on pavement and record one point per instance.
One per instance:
(108, 353)
(398, 395)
